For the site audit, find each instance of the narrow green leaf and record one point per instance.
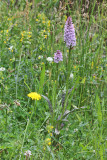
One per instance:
(42, 77)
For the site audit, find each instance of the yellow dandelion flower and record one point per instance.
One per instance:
(4, 41)
(34, 96)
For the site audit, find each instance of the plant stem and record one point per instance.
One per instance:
(67, 81)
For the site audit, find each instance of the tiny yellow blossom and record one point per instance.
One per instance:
(65, 17)
(45, 36)
(43, 22)
(9, 19)
(52, 127)
(74, 67)
(39, 15)
(29, 36)
(4, 41)
(49, 143)
(22, 34)
(51, 134)
(37, 20)
(44, 30)
(34, 96)
(61, 26)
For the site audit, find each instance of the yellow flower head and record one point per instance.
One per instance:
(34, 96)
(45, 36)
(48, 141)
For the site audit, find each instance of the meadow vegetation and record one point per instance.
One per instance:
(52, 109)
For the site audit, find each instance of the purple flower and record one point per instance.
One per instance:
(69, 33)
(58, 56)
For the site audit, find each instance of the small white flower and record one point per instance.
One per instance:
(2, 69)
(71, 75)
(50, 59)
(47, 71)
(93, 151)
(28, 153)
(73, 143)
(40, 57)
(75, 130)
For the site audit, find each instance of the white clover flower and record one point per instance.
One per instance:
(50, 59)
(2, 69)
(28, 153)
(71, 76)
(47, 71)
(40, 57)
(75, 130)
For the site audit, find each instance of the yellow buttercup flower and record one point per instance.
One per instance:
(45, 36)
(37, 20)
(74, 67)
(34, 96)
(48, 141)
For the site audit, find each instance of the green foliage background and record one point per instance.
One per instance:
(29, 33)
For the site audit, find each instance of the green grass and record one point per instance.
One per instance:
(25, 124)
